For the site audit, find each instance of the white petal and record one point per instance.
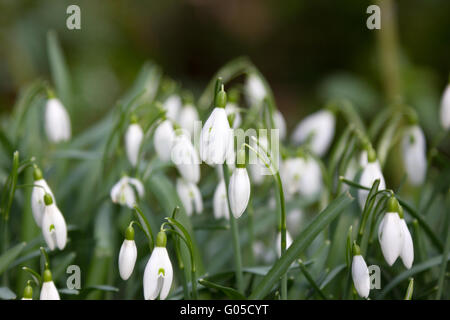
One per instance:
(215, 138)
(310, 184)
(280, 123)
(220, 203)
(414, 154)
(168, 274)
(127, 258)
(391, 237)
(187, 118)
(255, 90)
(232, 108)
(49, 291)
(185, 157)
(445, 109)
(57, 121)
(37, 200)
(60, 228)
(138, 185)
(163, 140)
(319, 127)
(360, 275)
(407, 251)
(239, 190)
(133, 140)
(46, 225)
(172, 105)
(371, 172)
(278, 242)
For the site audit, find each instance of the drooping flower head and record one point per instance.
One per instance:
(123, 192)
(370, 173)
(414, 154)
(158, 272)
(390, 232)
(163, 140)
(133, 140)
(185, 157)
(48, 290)
(57, 121)
(127, 254)
(360, 273)
(239, 187)
(445, 109)
(190, 196)
(54, 228)
(37, 196)
(28, 292)
(220, 202)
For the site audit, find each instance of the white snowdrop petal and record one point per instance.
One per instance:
(49, 291)
(168, 274)
(57, 121)
(239, 190)
(133, 140)
(278, 242)
(186, 159)
(391, 237)
(220, 203)
(255, 90)
(215, 138)
(360, 275)
(414, 154)
(163, 139)
(319, 127)
(280, 124)
(187, 118)
(445, 109)
(407, 251)
(127, 258)
(370, 173)
(172, 105)
(37, 200)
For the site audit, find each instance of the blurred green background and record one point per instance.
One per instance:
(308, 50)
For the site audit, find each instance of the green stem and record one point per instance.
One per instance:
(235, 236)
(283, 233)
(251, 232)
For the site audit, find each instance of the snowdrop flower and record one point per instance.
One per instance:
(414, 154)
(216, 133)
(57, 121)
(28, 292)
(163, 140)
(302, 175)
(220, 202)
(158, 272)
(185, 157)
(291, 171)
(258, 169)
(317, 129)
(123, 193)
(445, 109)
(280, 123)
(190, 196)
(188, 117)
(172, 105)
(255, 90)
(360, 273)
(127, 254)
(37, 196)
(278, 242)
(54, 228)
(370, 173)
(133, 140)
(48, 290)
(407, 251)
(239, 187)
(390, 233)
(232, 110)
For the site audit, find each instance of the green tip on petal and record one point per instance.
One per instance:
(28, 292)
(393, 205)
(37, 174)
(48, 200)
(47, 275)
(356, 249)
(161, 239)
(129, 233)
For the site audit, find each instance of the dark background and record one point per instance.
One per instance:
(308, 50)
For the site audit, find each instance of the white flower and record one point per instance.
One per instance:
(360, 275)
(163, 140)
(188, 117)
(185, 157)
(172, 105)
(232, 109)
(190, 196)
(407, 251)
(239, 190)
(48, 290)
(445, 109)
(257, 167)
(255, 90)
(158, 272)
(220, 202)
(414, 154)
(57, 121)
(280, 123)
(54, 227)
(317, 129)
(390, 236)
(37, 196)
(302, 175)
(278, 242)
(215, 138)
(133, 140)
(123, 193)
(370, 173)
(127, 258)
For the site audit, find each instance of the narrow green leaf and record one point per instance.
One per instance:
(10, 255)
(229, 292)
(311, 281)
(300, 244)
(409, 291)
